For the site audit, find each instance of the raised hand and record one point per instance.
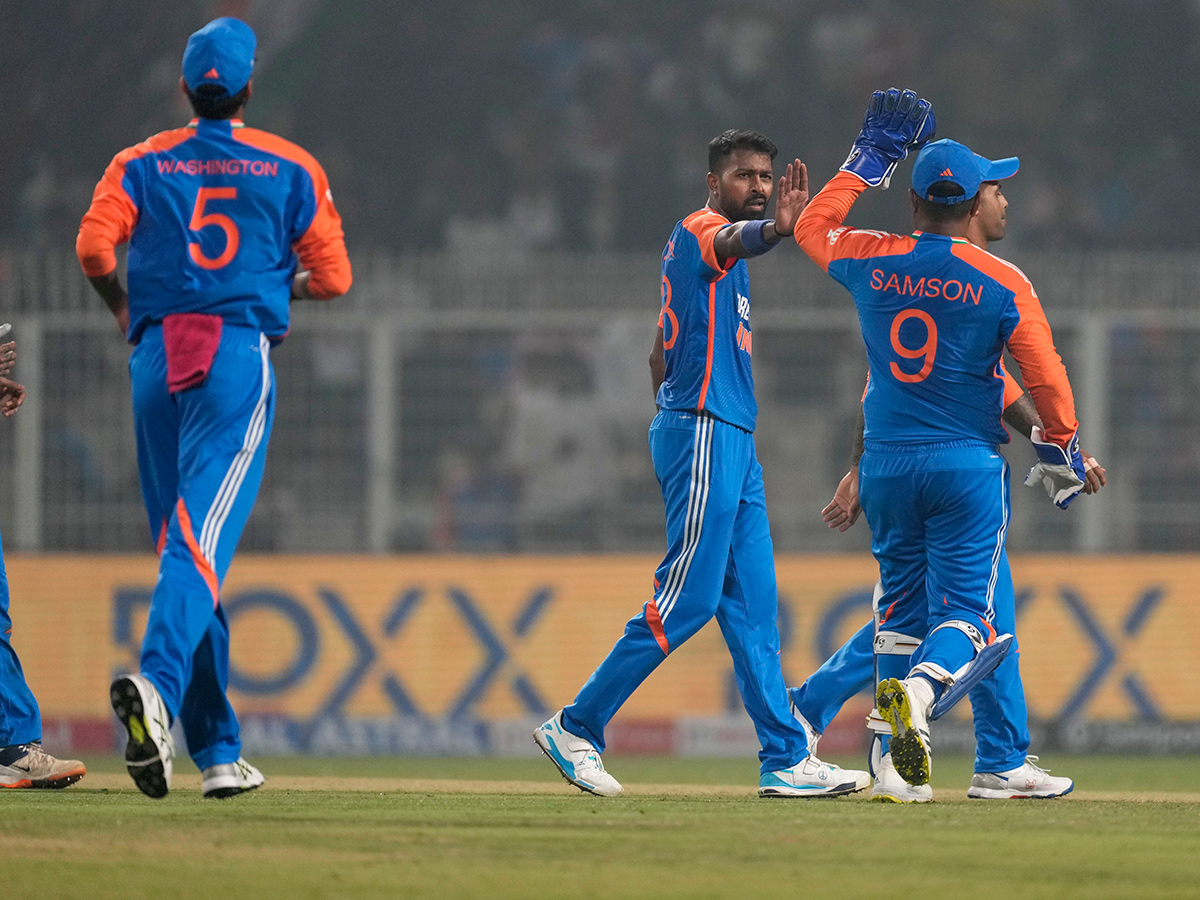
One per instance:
(791, 198)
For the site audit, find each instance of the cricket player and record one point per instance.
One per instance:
(1003, 769)
(23, 762)
(936, 313)
(226, 224)
(719, 555)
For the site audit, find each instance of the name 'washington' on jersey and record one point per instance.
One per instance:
(216, 215)
(705, 317)
(936, 312)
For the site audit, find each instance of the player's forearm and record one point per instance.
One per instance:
(860, 428)
(729, 244)
(658, 363)
(1021, 415)
(826, 211)
(111, 292)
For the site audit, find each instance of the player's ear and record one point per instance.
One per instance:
(249, 88)
(912, 200)
(183, 86)
(713, 181)
(977, 204)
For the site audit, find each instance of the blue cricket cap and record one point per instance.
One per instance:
(222, 54)
(948, 160)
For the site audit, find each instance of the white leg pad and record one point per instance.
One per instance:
(893, 643)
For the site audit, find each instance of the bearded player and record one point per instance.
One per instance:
(719, 558)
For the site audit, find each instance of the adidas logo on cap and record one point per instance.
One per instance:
(212, 73)
(944, 173)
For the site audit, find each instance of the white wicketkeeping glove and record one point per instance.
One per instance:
(1060, 472)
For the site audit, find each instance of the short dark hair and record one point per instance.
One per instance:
(943, 212)
(209, 101)
(724, 144)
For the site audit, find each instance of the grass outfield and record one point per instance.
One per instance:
(445, 828)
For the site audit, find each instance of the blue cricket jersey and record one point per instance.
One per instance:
(705, 319)
(936, 313)
(218, 217)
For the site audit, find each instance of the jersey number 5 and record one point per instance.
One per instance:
(927, 350)
(200, 219)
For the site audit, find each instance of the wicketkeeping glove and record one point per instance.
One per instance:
(895, 123)
(1059, 471)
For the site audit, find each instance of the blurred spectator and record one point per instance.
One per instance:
(451, 122)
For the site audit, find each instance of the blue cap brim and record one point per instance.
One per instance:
(997, 169)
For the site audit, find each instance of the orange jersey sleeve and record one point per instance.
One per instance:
(322, 247)
(704, 225)
(1032, 346)
(112, 215)
(821, 234)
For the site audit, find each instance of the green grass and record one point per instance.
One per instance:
(100, 843)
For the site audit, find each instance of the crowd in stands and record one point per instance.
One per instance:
(486, 125)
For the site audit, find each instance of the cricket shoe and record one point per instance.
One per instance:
(577, 759)
(230, 779)
(904, 705)
(1022, 783)
(150, 749)
(889, 787)
(35, 768)
(812, 778)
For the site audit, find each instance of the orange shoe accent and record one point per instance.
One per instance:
(206, 571)
(656, 627)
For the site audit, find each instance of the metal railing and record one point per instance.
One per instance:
(501, 404)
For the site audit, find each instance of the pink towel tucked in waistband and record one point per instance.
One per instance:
(191, 341)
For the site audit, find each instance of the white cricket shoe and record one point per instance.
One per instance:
(812, 778)
(38, 769)
(577, 759)
(905, 706)
(889, 787)
(1024, 782)
(150, 749)
(230, 779)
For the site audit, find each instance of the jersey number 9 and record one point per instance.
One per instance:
(927, 350)
(200, 219)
